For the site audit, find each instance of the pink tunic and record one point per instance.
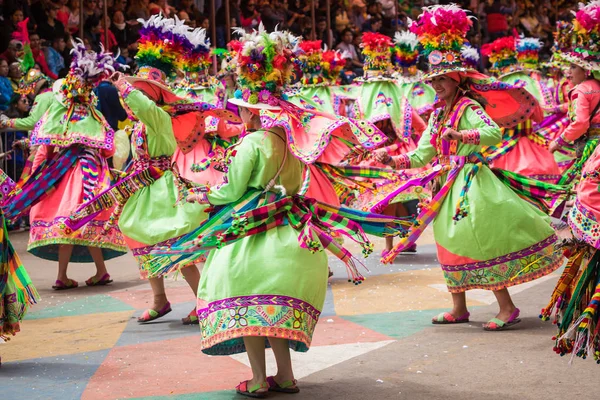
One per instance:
(583, 101)
(48, 216)
(585, 215)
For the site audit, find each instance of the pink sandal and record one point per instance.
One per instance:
(284, 387)
(496, 324)
(191, 319)
(446, 318)
(151, 315)
(105, 280)
(60, 285)
(254, 392)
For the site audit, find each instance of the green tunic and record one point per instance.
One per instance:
(504, 240)
(150, 216)
(40, 106)
(266, 284)
(315, 98)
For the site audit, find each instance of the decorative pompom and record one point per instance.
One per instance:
(405, 52)
(442, 28)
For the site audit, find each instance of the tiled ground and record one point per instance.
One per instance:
(86, 343)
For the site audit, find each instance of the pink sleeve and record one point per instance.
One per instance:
(227, 130)
(579, 116)
(40, 155)
(417, 123)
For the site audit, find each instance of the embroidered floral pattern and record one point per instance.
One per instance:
(470, 136)
(584, 225)
(402, 161)
(44, 235)
(383, 100)
(224, 323)
(509, 270)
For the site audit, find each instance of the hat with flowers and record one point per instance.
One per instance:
(264, 67)
(442, 31)
(502, 54)
(586, 36)
(378, 56)
(319, 66)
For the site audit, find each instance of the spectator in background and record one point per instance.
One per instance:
(121, 30)
(373, 25)
(90, 9)
(190, 8)
(497, 24)
(530, 24)
(182, 15)
(91, 32)
(374, 10)
(321, 31)
(51, 27)
(14, 74)
(346, 45)
(118, 5)
(39, 56)
(387, 8)
(249, 15)
(342, 21)
(63, 12)
(138, 9)
(107, 38)
(204, 22)
(161, 6)
(54, 57)
(359, 13)
(12, 51)
(73, 24)
(221, 23)
(6, 90)
(275, 13)
(8, 27)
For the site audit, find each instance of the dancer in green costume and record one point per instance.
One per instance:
(487, 236)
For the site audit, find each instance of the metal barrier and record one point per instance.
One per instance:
(11, 162)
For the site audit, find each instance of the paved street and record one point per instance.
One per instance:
(373, 341)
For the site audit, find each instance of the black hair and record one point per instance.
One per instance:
(91, 22)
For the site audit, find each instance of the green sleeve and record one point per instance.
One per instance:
(475, 119)
(145, 109)
(238, 176)
(425, 151)
(39, 108)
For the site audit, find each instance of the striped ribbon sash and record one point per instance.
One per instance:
(141, 173)
(572, 175)
(315, 222)
(40, 183)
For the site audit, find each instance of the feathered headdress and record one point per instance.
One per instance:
(87, 69)
(159, 47)
(405, 53)
(528, 52)
(502, 53)
(319, 67)
(32, 78)
(229, 56)
(376, 49)
(442, 32)
(196, 57)
(265, 65)
(470, 56)
(586, 32)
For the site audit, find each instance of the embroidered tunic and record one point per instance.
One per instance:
(503, 240)
(265, 284)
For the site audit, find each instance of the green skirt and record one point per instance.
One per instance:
(262, 285)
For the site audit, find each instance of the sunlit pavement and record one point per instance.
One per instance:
(373, 341)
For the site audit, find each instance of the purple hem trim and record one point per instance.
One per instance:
(503, 259)
(259, 299)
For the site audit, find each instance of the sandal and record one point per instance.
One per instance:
(244, 390)
(93, 281)
(191, 319)
(384, 253)
(60, 285)
(151, 315)
(496, 324)
(284, 387)
(446, 318)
